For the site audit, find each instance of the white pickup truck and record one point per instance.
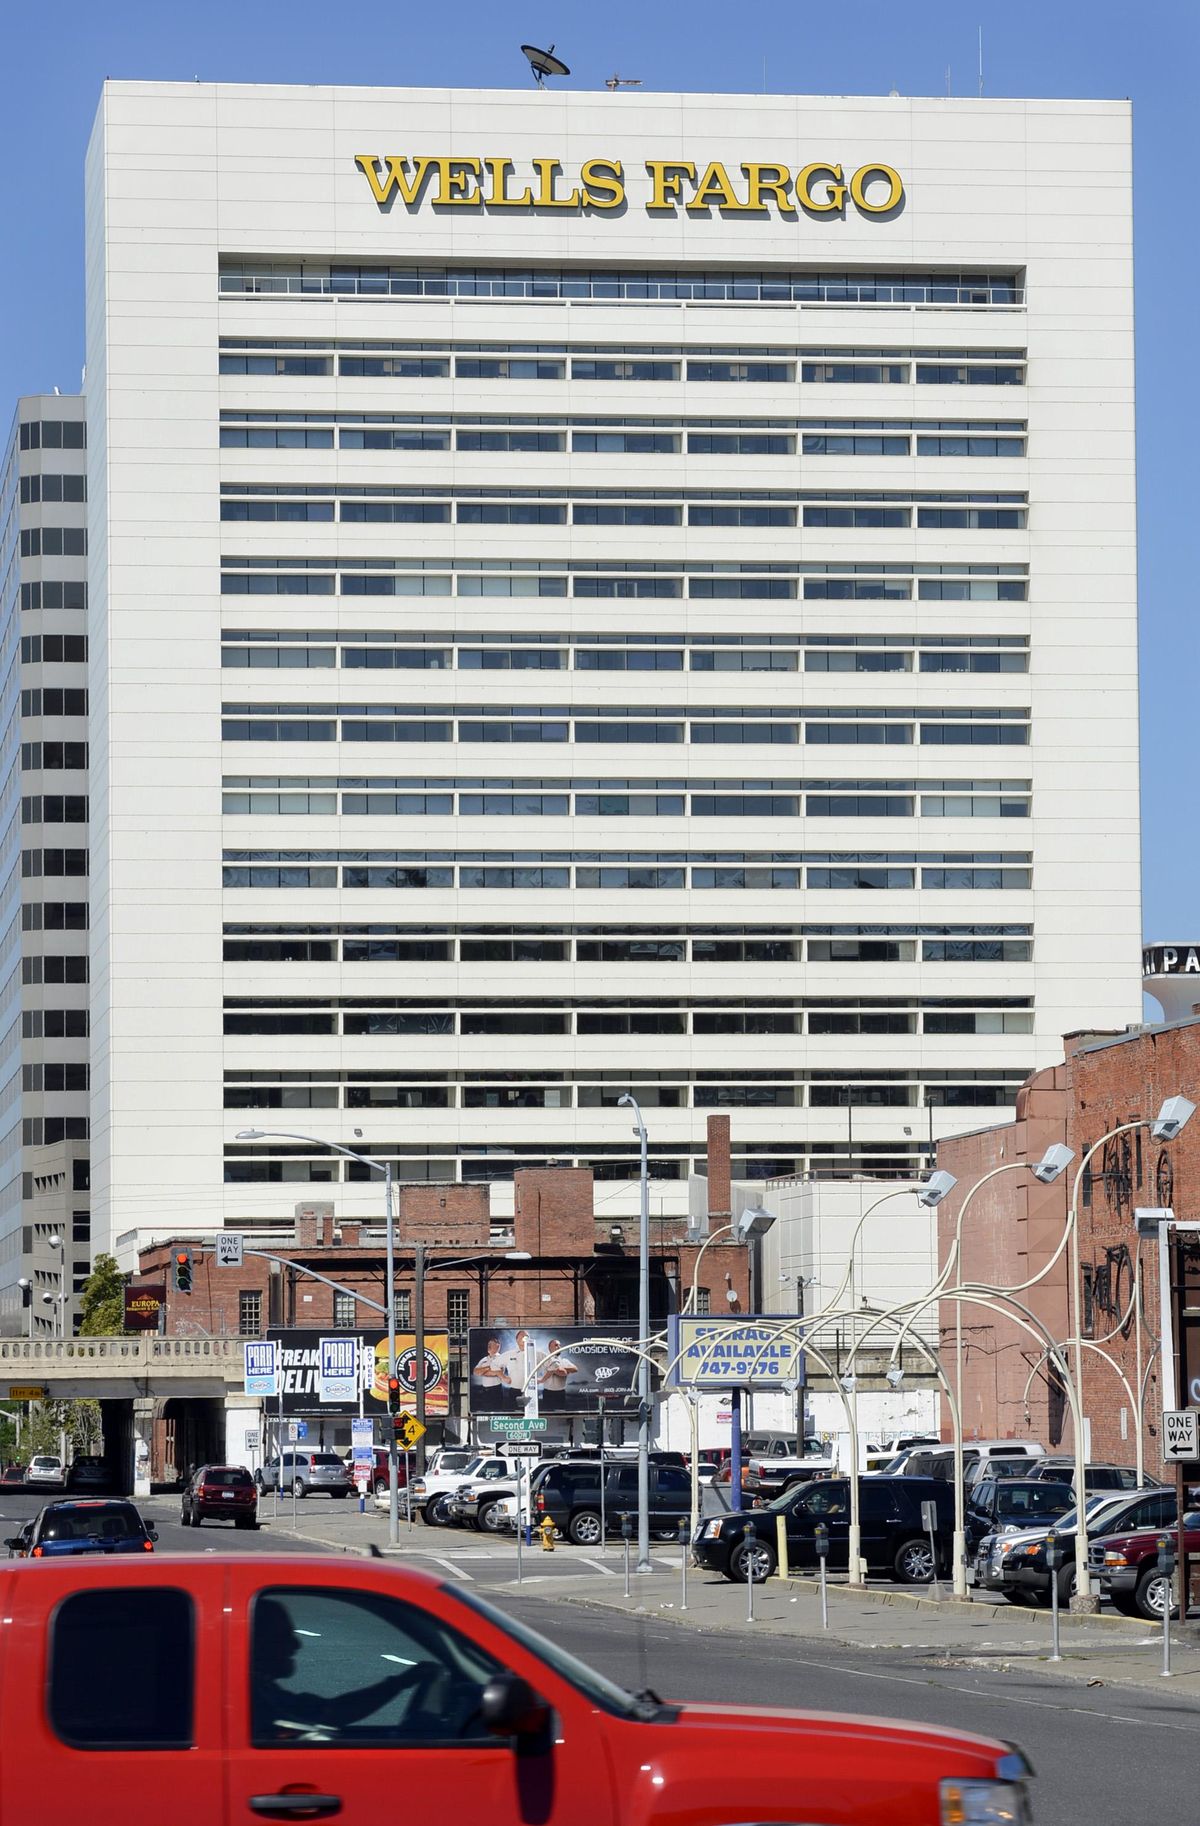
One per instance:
(432, 1493)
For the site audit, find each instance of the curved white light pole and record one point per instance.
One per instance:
(629, 1101)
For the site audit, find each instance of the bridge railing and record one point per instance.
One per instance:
(130, 1353)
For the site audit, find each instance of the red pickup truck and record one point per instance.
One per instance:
(1127, 1566)
(221, 1691)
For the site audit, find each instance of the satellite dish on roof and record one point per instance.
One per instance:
(544, 63)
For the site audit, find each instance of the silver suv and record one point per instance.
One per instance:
(306, 1473)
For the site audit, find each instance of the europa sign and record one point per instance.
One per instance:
(723, 1353)
(754, 188)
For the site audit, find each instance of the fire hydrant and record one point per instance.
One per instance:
(546, 1531)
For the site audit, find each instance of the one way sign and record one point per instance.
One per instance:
(1181, 1433)
(229, 1248)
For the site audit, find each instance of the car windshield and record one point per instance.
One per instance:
(456, 1461)
(107, 1522)
(1017, 1500)
(326, 1458)
(226, 1474)
(601, 1691)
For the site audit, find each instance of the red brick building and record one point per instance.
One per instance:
(1014, 1225)
(582, 1267)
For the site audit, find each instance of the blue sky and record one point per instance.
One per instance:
(56, 58)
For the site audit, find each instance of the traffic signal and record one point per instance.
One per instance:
(183, 1271)
(393, 1395)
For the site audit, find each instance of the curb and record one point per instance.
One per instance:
(902, 1600)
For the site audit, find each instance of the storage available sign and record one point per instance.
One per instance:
(721, 1353)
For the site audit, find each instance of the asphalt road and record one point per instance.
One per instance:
(1102, 1755)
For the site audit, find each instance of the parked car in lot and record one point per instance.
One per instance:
(306, 1474)
(220, 1493)
(1126, 1566)
(480, 1502)
(431, 1494)
(89, 1473)
(44, 1468)
(282, 1686)
(378, 1479)
(1001, 1505)
(67, 1529)
(569, 1493)
(978, 1455)
(1014, 1564)
(894, 1542)
(18, 1544)
(12, 1474)
(1095, 1477)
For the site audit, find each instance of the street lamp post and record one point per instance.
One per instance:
(57, 1242)
(26, 1286)
(643, 1456)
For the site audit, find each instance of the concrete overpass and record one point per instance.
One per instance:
(137, 1379)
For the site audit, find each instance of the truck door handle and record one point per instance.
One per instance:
(295, 1805)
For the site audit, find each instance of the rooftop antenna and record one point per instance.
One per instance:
(949, 91)
(544, 63)
(622, 82)
(981, 60)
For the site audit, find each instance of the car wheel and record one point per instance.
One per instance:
(1153, 1596)
(299, 1487)
(914, 1562)
(489, 1518)
(1068, 1585)
(584, 1528)
(381, 1487)
(764, 1562)
(435, 1513)
(185, 1520)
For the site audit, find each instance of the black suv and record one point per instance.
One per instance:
(568, 1491)
(895, 1543)
(996, 1503)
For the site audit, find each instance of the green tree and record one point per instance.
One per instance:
(102, 1302)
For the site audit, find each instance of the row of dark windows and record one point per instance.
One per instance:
(641, 949)
(876, 802)
(54, 755)
(52, 969)
(54, 808)
(596, 1096)
(53, 648)
(35, 863)
(623, 443)
(591, 513)
(711, 589)
(54, 700)
(54, 542)
(528, 877)
(55, 1024)
(55, 1077)
(50, 487)
(53, 434)
(54, 594)
(960, 729)
(833, 370)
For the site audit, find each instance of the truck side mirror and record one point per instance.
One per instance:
(509, 1707)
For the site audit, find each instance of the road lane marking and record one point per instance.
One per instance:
(451, 1567)
(599, 1566)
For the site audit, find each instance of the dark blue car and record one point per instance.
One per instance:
(89, 1527)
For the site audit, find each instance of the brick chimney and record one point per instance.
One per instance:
(312, 1225)
(720, 1193)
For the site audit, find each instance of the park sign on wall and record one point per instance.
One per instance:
(733, 1351)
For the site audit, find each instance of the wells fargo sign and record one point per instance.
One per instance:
(821, 188)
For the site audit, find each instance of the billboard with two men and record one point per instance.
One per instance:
(543, 1369)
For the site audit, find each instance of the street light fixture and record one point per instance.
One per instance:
(56, 1242)
(26, 1286)
(628, 1101)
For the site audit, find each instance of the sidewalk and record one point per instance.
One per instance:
(1107, 1649)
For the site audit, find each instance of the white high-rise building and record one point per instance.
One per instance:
(591, 591)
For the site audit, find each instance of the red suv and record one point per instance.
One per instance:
(302, 1688)
(1127, 1567)
(220, 1493)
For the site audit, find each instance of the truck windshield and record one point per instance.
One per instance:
(601, 1691)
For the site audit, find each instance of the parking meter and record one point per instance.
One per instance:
(821, 1543)
(1165, 1569)
(626, 1525)
(626, 1534)
(1054, 1551)
(1054, 1560)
